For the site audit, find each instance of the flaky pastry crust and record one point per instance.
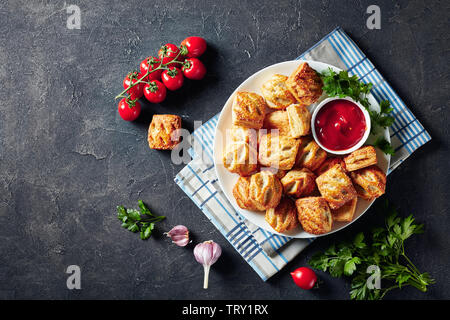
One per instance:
(276, 93)
(310, 155)
(370, 182)
(283, 217)
(163, 133)
(241, 193)
(314, 215)
(265, 190)
(299, 182)
(277, 151)
(240, 158)
(336, 187)
(299, 119)
(361, 158)
(248, 110)
(305, 84)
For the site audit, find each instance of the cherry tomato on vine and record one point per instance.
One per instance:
(138, 90)
(151, 63)
(195, 46)
(155, 91)
(173, 78)
(168, 52)
(194, 69)
(304, 277)
(129, 110)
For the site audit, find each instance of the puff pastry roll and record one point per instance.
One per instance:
(276, 93)
(310, 155)
(336, 187)
(305, 84)
(328, 163)
(370, 183)
(248, 110)
(240, 158)
(283, 217)
(163, 133)
(242, 134)
(299, 182)
(277, 120)
(361, 158)
(314, 215)
(299, 120)
(277, 151)
(265, 190)
(241, 193)
(346, 212)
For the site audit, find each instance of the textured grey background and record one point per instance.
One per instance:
(67, 159)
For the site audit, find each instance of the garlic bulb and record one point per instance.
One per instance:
(207, 254)
(179, 235)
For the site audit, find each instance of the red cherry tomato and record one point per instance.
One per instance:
(138, 90)
(168, 52)
(173, 78)
(129, 110)
(194, 69)
(304, 277)
(155, 91)
(151, 63)
(195, 46)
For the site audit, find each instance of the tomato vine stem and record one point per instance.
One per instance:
(141, 80)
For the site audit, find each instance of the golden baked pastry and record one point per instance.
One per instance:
(242, 134)
(241, 193)
(361, 158)
(265, 190)
(277, 120)
(314, 215)
(276, 93)
(248, 110)
(370, 183)
(277, 151)
(299, 119)
(336, 187)
(283, 217)
(240, 158)
(346, 212)
(328, 163)
(310, 155)
(299, 182)
(305, 84)
(163, 133)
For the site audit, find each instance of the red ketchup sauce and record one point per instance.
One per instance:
(339, 125)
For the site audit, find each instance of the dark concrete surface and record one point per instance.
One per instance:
(67, 159)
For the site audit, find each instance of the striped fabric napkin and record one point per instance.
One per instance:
(264, 251)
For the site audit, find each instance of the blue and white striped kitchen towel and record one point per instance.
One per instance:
(266, 252)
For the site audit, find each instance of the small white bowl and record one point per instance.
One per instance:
(356, 146)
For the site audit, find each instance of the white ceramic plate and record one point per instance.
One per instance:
(227, 179)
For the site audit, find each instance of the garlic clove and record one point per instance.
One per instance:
(179, 235)
(207, 253)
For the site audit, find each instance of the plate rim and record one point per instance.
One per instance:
(239, 210)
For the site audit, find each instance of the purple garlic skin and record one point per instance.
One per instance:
(207, 253)
(179, 235)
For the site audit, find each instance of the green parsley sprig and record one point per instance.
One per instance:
(135, 221)
(342, 85)
(386, 250)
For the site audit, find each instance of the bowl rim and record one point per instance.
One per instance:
(356, 146)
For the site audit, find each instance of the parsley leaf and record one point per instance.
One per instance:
(385, 250)
(384, 145)
(135, 221)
